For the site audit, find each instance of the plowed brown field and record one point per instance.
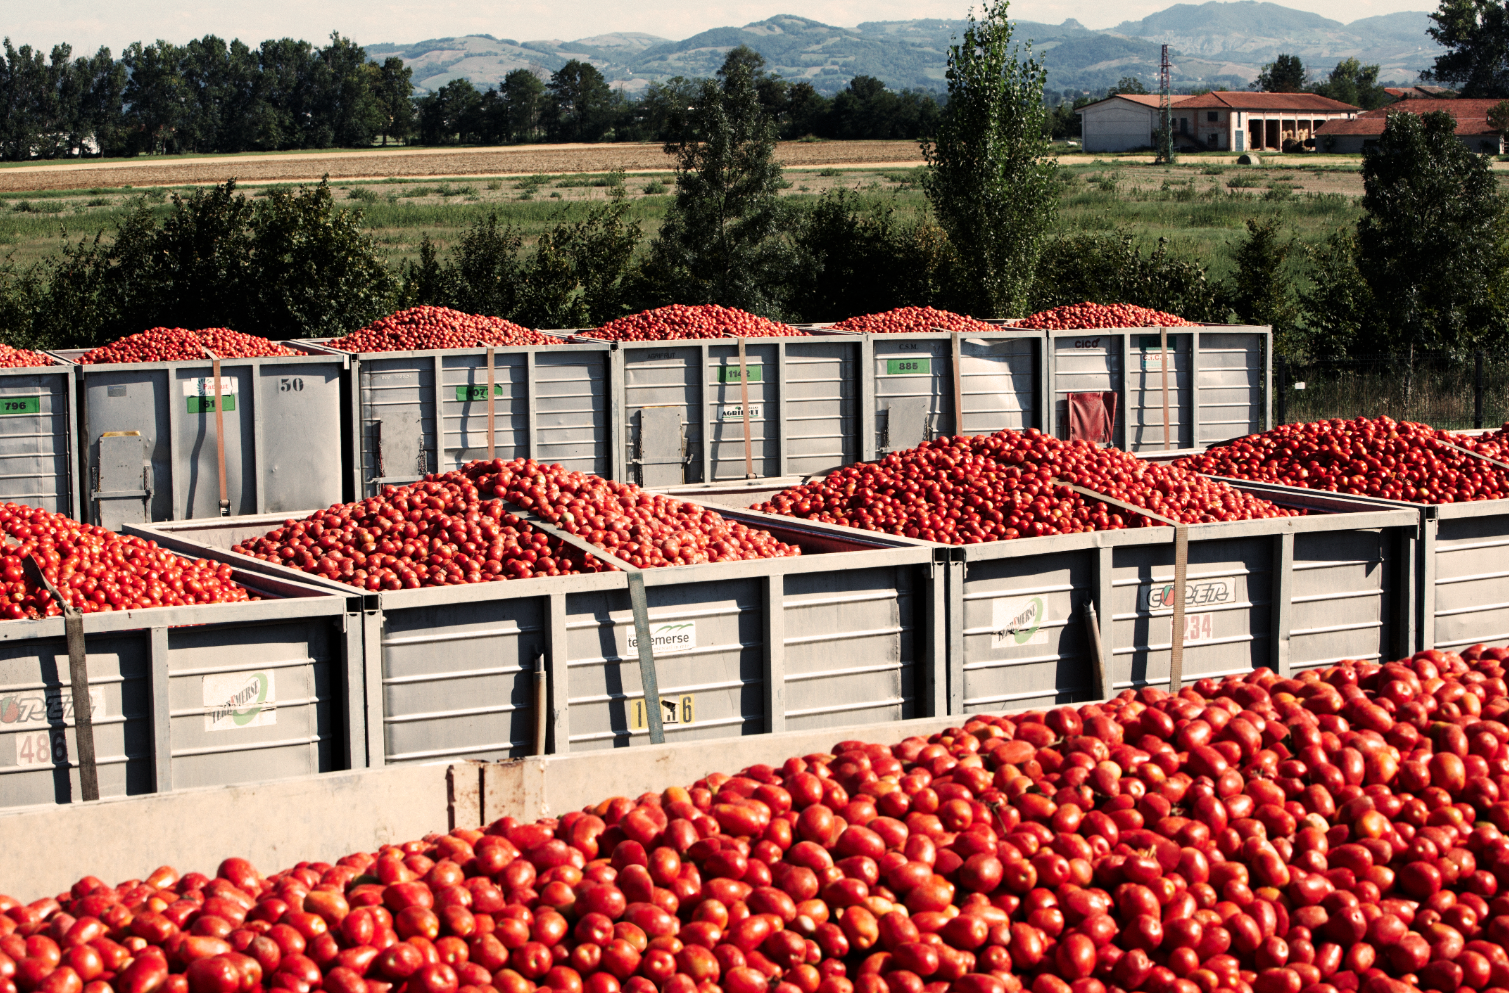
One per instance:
(515, 160)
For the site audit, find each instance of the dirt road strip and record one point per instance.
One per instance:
(514, 160)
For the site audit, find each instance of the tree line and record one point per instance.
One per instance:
(211, 95)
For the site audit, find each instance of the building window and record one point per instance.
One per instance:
(1184, 125)
(1212, 116)
(1211, 139)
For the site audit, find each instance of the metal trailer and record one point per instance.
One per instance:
(1229, 396)
(1286, 593)
(39, 464)
(182, 697)
(147, 439)
(911, 391)
(417, 412)
(1456, 583)
(819, 640)
(678, 416)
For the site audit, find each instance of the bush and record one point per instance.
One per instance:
(1113, 269)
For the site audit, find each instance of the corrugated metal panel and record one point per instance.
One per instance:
(725, 409)
(1087, 363)
(36, 720)
(463, 406)
(1145, 391)
(457, 679)
(396, 391)
(571, 409)
(1228, 613)
(722, 668)
(1471, 594)
(912, 368)
(1340, 598)
(1231, 386)
(850, 647)
(822, 400)
(666, 375)
(998, 383)
(1024, 643)
(35, 439)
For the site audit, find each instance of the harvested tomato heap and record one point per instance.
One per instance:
(421, 328)
(1102, 315)
(98, 570)
(1398, 460)
(20, 358)
(452, 528)
(965, 490)
(1340, 831)
(908, 320)
(680, 321)
(180, 344)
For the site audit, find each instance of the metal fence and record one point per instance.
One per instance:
(1443, 389)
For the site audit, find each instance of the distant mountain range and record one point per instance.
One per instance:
(1216, 45)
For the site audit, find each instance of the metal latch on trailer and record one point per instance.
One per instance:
(908, 423)
(399, 441)
(122, 480)
(663, 450)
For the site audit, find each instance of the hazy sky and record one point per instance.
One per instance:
(87, 24)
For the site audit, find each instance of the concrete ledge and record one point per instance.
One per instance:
(278, 824)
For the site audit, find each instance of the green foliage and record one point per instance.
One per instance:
(1128, 84)
(1498, 116)
(1113, 269)
(1260, 290)
(716, 244)
(1338, 302)
(581, 103)
(1285, 74)
(990, 180)
(1354, 83)
(1475, 34)
(1431, 242)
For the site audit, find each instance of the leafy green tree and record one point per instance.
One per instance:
(524, 96)
(1498, 116)
(716, 244)
(1338, 303)
(157, 95)
(580, 103)
(1285, 74)
(485, 269)
(1260, 289)
(394, 89)
(1127, 84)
(346, 103)
(1115, 269)
(1354, 83)
(1475, 34)
(989, 179)
(444, 115)
(1431, 240)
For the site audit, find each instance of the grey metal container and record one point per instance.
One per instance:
(39, 464)
(418, 412)
(1457, 562)
(166, 699)
(677, 407)
(909, 386)
(1286, 593)
(818, 640)
(1228, 396)
(146, 437)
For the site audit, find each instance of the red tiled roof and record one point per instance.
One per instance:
(1145, 99)
(1243, 100)
(1409, 92)
(1471, 116)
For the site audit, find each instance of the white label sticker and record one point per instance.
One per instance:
(204, 386)
(42, 749)
(39, 708)
(736, 413)
(1199, 627)
(1018, 621)
(1153, 362)
(677, 710)
(1197, 593)
(668, 638)
(240, 700)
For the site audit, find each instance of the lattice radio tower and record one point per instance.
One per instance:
(1165, 111)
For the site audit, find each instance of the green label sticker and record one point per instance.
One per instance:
(908, 367)
(730, 373)
(206, 405)
(466, 394)
(20, 405)
(1149, 341)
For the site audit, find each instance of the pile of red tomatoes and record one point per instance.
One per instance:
(97, 570)
(965, 490)
(910, 320)
(453, 528)
(181, 344)
(1381, 457)
(425, 328)
(681, 321)
(1102, 315)
(20, 358)
(1339, 831)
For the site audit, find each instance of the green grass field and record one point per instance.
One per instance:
(1200, 207)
